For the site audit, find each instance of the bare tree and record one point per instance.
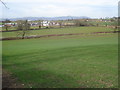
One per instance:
(60, 23)
(77, 22)
(40, 23)
(24, 28)
(115, 24)
(51, 24)
(80, 23)
(6, 25)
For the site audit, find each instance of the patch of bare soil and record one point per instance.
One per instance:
(8, 81)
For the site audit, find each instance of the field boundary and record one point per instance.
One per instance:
(50, 35)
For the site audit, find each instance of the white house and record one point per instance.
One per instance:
(45, 23)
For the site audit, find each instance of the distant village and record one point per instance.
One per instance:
(60, 23)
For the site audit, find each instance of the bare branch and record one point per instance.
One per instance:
(4, 4)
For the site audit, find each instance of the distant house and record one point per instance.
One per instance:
(34, 24)
(57, 24)
(9, 24)
(45, 23)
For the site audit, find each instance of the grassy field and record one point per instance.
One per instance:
(15, 28)
(101, 23)
(60, 31)
(64, 61)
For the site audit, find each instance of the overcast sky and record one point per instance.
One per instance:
(53, 8)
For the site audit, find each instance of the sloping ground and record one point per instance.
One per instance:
(79, 62)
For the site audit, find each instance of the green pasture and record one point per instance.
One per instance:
(76, 61)
(101, 23)
(59, 31)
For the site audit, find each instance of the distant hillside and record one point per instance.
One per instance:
(47, 18)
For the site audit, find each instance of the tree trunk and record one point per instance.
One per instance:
(23, 35)
(6, 28)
